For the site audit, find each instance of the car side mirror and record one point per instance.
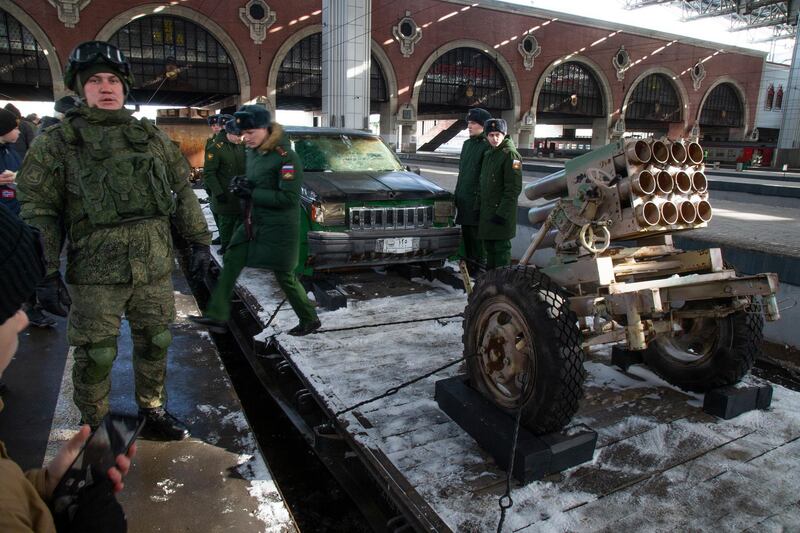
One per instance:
(415, 170)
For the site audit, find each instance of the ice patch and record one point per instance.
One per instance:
(168, 488)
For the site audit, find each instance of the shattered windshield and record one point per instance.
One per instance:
(343, 153)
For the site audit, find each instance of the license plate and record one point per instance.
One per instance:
(397, 245)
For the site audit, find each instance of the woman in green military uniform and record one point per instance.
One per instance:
(500, 185)
(269, 235)
(225, 158)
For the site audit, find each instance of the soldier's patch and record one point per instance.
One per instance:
(516, 164)
(287, 172)
(209, 156)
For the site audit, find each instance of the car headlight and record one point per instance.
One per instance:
(443, 211)
(328, 214)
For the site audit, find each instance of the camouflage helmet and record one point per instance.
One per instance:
(94, 55)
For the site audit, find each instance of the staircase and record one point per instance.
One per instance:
(443, 136)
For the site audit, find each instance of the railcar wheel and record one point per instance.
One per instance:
(523, 346)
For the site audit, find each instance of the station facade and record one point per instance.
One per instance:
(430, 60)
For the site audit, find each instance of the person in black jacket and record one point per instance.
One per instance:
(27, 131)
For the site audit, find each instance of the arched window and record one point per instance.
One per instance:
(176, 62)
(654, 99)
(723, 107)
(24, 71)
(299, 84)
(462, 78)
(571, 89)
(770, 97)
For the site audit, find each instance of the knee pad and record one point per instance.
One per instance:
(99, 359)
(156, 341)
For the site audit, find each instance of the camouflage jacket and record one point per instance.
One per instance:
(112, 182)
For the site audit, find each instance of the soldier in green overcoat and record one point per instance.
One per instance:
(225, 158)
(501, 183)
(113, 182)
(216, 126)
(469, 169)
(269, 235)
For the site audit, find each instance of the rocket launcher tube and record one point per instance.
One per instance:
(699, 182)
(539, 213)
(669, 213)
(665, 182)
(643, 184)
(549, 187)
(647, 213)
(660, 153)
(703, 210)
(677, 153)
(638, 152)
(683, 182)
(688, 212)
(694, 153)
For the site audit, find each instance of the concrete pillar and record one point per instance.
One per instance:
(346, 31)
(388, 125)
(600, 133)
(789, 136)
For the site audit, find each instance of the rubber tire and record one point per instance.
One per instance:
(736, 349)
(552, 397)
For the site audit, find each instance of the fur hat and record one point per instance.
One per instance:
(476, 114)
(250, 117)
(8, 121)
(495, 124)
(213, 120)
(21, 263)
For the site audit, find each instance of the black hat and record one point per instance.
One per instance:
(495, 124)
(232, 128)
(7, 121)
(213, 120)
(11, 107)
(21, 263)
(251, 117)
(476, 114)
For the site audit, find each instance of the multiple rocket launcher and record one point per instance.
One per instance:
(635, 188)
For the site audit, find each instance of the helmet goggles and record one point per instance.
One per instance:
(89, 52)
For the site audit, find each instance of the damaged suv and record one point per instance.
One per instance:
(363, 208)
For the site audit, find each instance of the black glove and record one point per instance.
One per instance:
(95, 510)
(497, 219)
(222, 199)
(198, 263)
(53, 295)
(242, 187)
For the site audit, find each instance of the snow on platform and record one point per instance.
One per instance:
(661, 464)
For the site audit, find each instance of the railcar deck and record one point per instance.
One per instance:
(661, 463)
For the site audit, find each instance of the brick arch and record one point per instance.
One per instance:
(739, 91)
(504, 66)
(38, 33)
(239, 64)
(593, 67)
(683, 94)
(280, 54)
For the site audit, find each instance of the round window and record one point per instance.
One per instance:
(257, 12)
(407, 28)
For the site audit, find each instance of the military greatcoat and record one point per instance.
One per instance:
(224, 160)
(501, 183)
(468, 184)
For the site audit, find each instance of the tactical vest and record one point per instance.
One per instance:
(120, 171)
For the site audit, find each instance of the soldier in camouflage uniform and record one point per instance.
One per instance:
(225, 158)
(112, 182)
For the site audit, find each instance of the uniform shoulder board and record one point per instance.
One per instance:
(209, 156)
(281, 151)
(287, 172)
(218, 145)
(516, 164)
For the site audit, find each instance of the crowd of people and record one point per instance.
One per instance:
(109, 188)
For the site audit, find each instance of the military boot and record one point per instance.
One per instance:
(160, 425)
(213, 325)
(301, 330)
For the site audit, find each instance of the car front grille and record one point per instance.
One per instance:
(383, 218)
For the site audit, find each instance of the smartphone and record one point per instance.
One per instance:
(113, 437)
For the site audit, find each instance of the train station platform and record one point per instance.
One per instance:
(215, 481)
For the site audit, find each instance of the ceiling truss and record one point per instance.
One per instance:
(779, 15)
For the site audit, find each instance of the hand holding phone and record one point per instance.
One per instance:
(97, 457)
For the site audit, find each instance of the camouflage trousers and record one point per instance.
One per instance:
(94, 325)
